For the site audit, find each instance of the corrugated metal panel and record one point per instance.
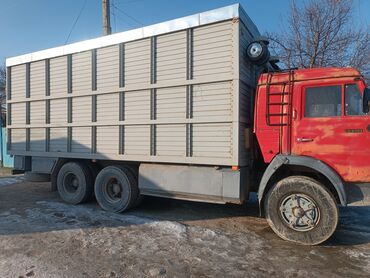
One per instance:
(171, 103)
(18, 139)
(37, 112)
(137, 105)
(137, 62)
(81, 109)
(58, 140)
(18, 80)
(171, 140)
(37, 139)
(108, 68)
(137, 140)
(107, 108)
(247, 71)
(37, 79)
(171, 57)
(212, 140)
(58, 76)
(81, 72)
(244, 144)
(212, 48)
(176, 119)
(18, 113)
(58, 111)
(247, 75)
(107, 140)
(81, 140)
(212, 100)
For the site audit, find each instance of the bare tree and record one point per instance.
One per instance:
(2, 93)
(2, 77)
(321, 33)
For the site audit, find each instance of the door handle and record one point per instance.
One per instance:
(368, 128)
(302, 140)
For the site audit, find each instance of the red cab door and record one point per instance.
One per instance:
(330, 126)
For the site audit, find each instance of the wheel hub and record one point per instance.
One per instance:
(75, 183)
(299, 212)
(116, 188)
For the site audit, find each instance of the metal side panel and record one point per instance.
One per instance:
(137, 105)
(18, 139)
(212, 50)
(107, 68)
(37, 112)
(248, 72)
(18, 113)
(190, 182)
(171, 57)
(107, 140)
(171, 103)
(107, 110)
(58, 111)
(58, 76)
(246, 99)
(37, 79)
(58, 140)
(171, 141)
(212, 140)
(37, 139)
(178, 101)
(82, 110)
(18, 81)
(137, 62)
(137, 140)
(81, 72)
(81, 140)
(212, 101)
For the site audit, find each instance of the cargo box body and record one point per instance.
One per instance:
(176, 92)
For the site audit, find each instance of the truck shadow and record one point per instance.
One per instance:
(31, 208)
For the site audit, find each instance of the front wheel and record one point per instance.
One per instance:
(301, 210)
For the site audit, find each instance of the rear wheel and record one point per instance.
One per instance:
(301, 210)
(116, 189)
(75, 183)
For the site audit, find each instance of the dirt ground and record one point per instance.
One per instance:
(40, 236)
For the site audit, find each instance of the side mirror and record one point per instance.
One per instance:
(366, 100)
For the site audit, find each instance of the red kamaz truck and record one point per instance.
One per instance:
(193, 109)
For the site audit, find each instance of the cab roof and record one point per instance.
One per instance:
(308, 74)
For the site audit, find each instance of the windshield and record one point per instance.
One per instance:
(366, 101)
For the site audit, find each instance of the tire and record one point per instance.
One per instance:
(75, 183)
(36, 177)
(301, 210)
(140, 198)
(259, 57)
(116, 189)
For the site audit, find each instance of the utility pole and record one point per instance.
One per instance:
(106, 18)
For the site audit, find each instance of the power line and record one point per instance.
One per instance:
(123, 20)
(76, 20)
(129, 16)
(133, 1)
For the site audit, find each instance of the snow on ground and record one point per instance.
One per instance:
(5, 181)
(41, 236)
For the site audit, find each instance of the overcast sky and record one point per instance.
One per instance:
(32, 25)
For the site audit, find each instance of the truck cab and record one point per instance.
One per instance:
(313, 124)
